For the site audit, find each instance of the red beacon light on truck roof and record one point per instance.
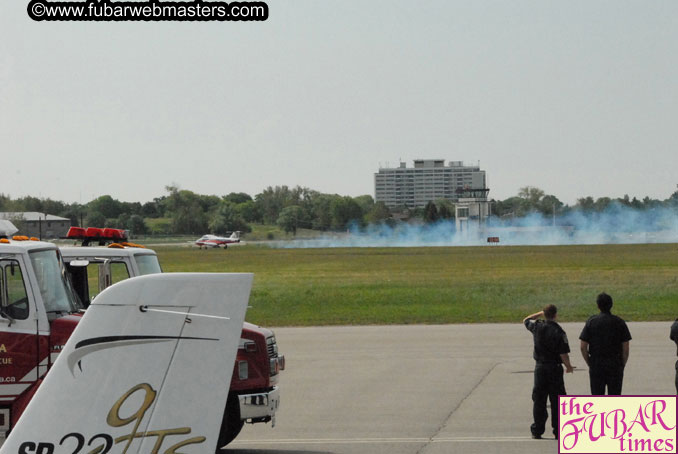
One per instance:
(94, 233)
(91, 234)
(76, 233)
(114, 234)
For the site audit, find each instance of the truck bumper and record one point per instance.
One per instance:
(260, 407)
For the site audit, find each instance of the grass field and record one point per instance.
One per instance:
(297, 287)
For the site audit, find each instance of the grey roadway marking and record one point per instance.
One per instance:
(326, 441)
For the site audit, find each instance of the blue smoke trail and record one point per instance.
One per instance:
(617, 224)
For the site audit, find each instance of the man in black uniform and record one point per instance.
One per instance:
(674, 338)
(605, 348)
(550, 350)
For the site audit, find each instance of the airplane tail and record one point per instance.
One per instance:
(235, 235)
(148, 369)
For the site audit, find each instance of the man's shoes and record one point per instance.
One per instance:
(536, 436)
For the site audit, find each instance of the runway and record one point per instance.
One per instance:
(428, 389)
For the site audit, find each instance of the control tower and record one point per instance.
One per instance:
(472, 209)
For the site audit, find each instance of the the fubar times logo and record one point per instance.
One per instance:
(617, 424)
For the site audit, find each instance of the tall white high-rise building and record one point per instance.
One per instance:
(428, 180)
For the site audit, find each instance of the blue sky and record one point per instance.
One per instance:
(578, 98)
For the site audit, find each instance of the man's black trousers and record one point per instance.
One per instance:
(548, 383)
(610, 375)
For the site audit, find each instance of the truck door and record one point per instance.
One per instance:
(19, 340)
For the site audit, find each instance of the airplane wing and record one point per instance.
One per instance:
(148, 369)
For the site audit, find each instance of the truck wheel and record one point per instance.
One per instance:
(231, 424)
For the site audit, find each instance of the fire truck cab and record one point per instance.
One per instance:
(38, 312)
(254, 396)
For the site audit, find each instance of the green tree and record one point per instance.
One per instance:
(106, 205)
(151, 209)
(237, 198)
(549, 204)
(28, 203)
(344, 211)
(365, 202)
(95, 219)
(136, 225)
(5, 202)
(672, 202)
(585, 204)
(186, 211)
(291, 218)
(512, 207)
(122, 222)
(226, 218)
(321, 213)
(445, 209)
(378, 213)
(649, 204)
(249, 211)
(445, 213)
(430, 212)
(74, 212)
(532, 195)
(602, 203)
(271, 201)
(130, 208)
(626, 201)
(637, 204)
(55, 207)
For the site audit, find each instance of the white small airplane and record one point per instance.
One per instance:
(145, 371)
(217, 241)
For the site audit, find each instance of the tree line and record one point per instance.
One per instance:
(182, 211)
(534, 200)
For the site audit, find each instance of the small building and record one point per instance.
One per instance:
(39, 225)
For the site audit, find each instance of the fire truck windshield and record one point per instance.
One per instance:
(54, 287)
(147, 264)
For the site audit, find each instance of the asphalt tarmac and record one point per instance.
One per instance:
(428, 389)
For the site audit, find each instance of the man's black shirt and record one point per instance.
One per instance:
(550, 340)
(605, 334)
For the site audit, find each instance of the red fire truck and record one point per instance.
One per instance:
(41, 306)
